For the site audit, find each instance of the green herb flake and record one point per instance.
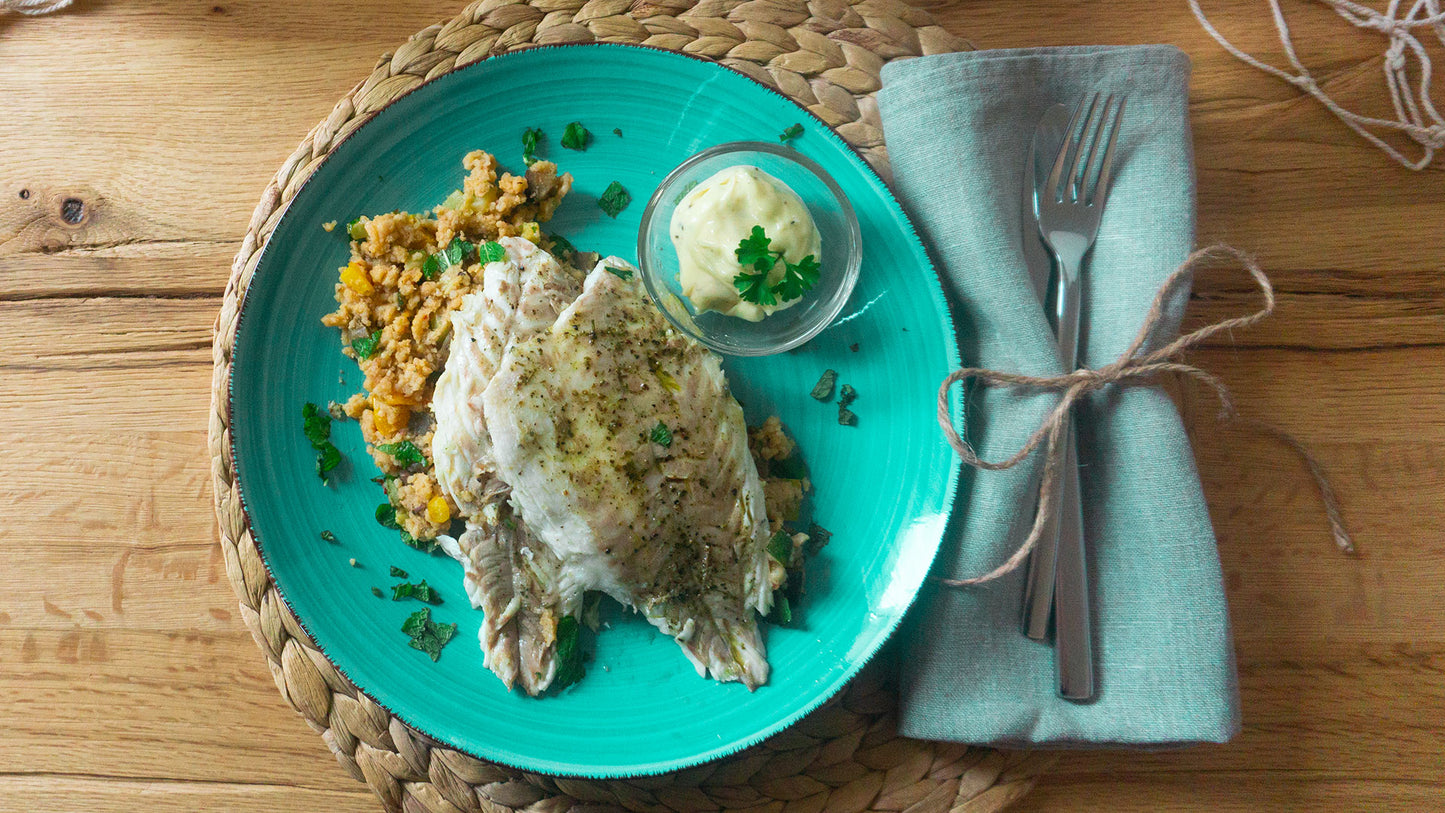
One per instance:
(576, 137)
(823, 390)
(328, 536)
(317, 427)
(620, 273)
(661, 435)
(422, 592)
(386, 516)
(846, 417)
(431, 267)
(423, 545)
(405, 453)
(617, 131)
(782, 613)
(560, 244)
(569, 653)
(614, 199)
(531, 138)
(780, 547)
(791, 133)
(376, 591)
(427, 635)
(365, 347)
(847, 396)
(400, 301)
(491, 252)
(398, 573)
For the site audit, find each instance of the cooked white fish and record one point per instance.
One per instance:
(627, 456)
(513, 581)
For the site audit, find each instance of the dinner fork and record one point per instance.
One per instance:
(1069, 210)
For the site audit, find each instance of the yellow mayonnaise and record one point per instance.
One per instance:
(716, 215)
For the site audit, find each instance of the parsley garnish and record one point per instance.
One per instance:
(530, 137)
(755, 251)
(569, 653)
(614, 199)
(427, 635)
(823, 390)
(491, 252)
(405, 453)
(575, 137)
(317, 426)
(661, 435)
(620, 273)
(365, 347)
(780, 547)
(398, 573)
(328, 536)
(421, 592)
(791, 133)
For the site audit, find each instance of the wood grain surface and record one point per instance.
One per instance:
(135, 138)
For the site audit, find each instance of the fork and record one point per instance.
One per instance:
(1069, 211)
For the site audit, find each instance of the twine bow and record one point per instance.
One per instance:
(1133, 366)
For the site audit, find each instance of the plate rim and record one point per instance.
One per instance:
(558, 768)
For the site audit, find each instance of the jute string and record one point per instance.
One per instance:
(1415, 113)
(1134, 366)
(32, 7)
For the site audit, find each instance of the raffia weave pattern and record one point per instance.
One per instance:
(844, 757)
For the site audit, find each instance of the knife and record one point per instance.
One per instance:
(1049, 136)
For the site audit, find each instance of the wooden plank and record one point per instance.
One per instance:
(101, 793)
(1120, 791)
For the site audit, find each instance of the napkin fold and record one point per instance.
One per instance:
(958, 129)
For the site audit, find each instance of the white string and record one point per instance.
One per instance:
(32, 7)
(1415, 113)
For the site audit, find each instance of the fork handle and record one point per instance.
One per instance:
(1073, 627)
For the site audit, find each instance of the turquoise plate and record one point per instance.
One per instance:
(884, 488)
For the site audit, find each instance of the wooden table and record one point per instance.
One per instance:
(134, 141)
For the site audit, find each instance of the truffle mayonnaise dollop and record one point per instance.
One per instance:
(716, 215)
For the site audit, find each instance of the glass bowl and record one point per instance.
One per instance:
(842, 250)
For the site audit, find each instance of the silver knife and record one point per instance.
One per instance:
(1049, 136)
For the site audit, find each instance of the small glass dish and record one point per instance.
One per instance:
(842, 249)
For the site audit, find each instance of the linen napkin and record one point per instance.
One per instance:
(958, 129)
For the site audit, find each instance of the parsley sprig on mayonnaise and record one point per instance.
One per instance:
(721, 212)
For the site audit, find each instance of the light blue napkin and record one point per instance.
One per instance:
(958, 129)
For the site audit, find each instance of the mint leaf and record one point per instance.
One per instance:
(427, 635)
(780, 547)
(569, 653)
(530, 139)
(661, 435)
(397, 573)
(365, 347)
(386, 516)
(791, 133)
(614, 199)
(491, 252)
(423, 545)
(405, 453)
(317, 424)
(560, 244)
(575, 137)
(421, 592)
(620, 273)
(431, 267)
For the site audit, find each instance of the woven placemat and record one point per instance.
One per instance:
(846, 756)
